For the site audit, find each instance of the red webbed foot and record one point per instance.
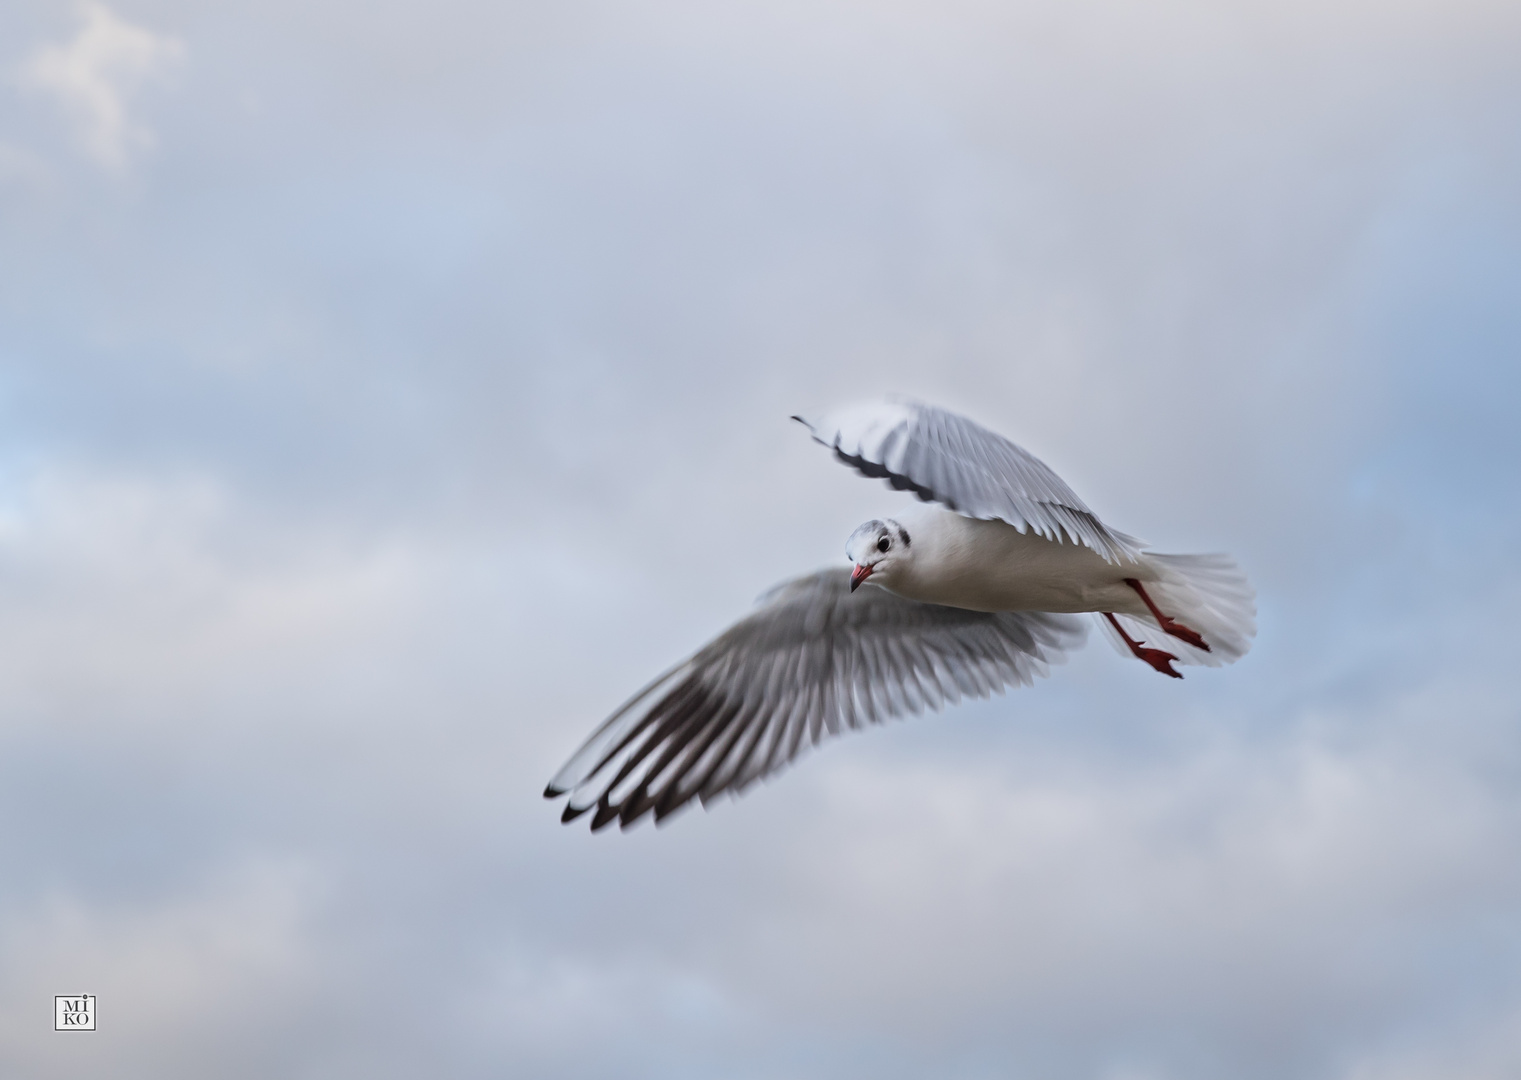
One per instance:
(1159, 660)
(1169, 624)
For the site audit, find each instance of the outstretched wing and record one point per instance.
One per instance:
(813, 660)
(946, 458)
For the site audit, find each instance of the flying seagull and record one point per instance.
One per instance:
(972, 593)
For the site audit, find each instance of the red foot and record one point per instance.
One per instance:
(1176, 629)
(1155, 657)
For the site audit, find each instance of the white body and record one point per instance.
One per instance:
(992, 566)
(982, 565)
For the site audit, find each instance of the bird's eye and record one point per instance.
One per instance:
(883, 544)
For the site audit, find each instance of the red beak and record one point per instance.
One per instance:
(858, 575)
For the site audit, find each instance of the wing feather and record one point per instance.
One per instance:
(945, 458)
(813, 661)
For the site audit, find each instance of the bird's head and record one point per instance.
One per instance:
(879, 549)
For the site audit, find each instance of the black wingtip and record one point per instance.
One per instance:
(552, 792)
(606, 814)
(570, 813)
(800, 420)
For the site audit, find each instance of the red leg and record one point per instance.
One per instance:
(1176, 629)
(1155, 657)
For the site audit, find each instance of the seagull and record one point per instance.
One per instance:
(974, 591)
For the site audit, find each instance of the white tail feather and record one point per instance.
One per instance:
(1207, 593)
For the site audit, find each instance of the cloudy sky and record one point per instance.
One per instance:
(388, 389)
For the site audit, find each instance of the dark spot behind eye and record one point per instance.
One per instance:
(903, 535)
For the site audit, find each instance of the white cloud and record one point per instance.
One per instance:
(120, 586)
(94, 75)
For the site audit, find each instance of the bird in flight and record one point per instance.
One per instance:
(973, 592)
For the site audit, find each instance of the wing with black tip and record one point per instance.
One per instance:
(812, 661)
(948, 459)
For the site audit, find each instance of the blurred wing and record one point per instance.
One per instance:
(946, 458)
(812, 661)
